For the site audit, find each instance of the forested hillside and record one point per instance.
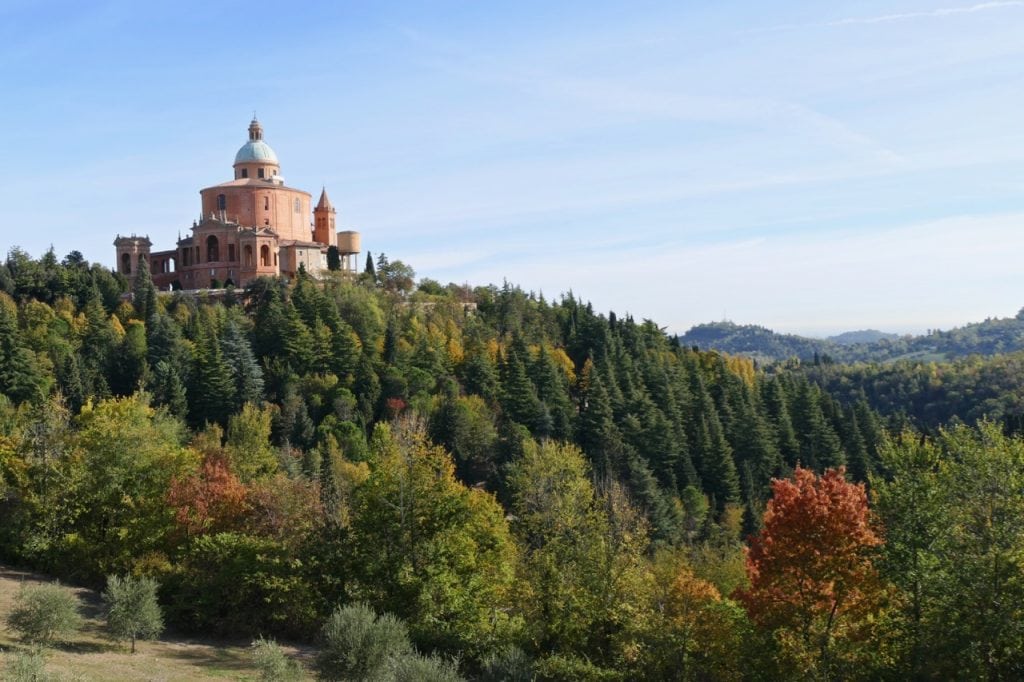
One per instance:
(530, 486)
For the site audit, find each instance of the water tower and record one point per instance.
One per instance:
(349, 246)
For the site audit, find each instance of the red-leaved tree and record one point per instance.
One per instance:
(812, 579)
(209, 501)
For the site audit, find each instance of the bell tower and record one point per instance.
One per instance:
(131, 250)
(323, 220)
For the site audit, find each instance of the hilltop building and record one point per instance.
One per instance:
(250, 226)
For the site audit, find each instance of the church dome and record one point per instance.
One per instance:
(256, 150)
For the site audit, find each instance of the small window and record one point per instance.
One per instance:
(222, 202)
(266, 203)
(260, 172)
(245, 172)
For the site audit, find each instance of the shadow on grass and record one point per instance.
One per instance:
(204, 655)
(80, 647)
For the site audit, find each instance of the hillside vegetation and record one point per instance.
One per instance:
(510, 487)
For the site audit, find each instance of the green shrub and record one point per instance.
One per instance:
(27, 666)
(509, 664)
(424, 669)
(272, 662)
(360, 645)
(44, 614)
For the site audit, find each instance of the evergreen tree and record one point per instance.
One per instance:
(519, 400)
(820, 447)
(777, 411)
(370, 269)
(595, 428)
(21, 377)
(720, 477)
(333, 258)
(246, 372)
(144, 293)
(479, 375)
(168, 388)
(212, 388)
(553, 392)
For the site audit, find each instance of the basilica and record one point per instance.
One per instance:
(251, 226)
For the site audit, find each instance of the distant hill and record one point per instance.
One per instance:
(861, 336)
(755, 341)
(990, 337)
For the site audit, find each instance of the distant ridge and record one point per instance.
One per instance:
(990, 337)
(861, 336)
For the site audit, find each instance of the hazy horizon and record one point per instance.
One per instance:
(810, 168)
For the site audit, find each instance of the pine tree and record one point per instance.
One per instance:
(553, 392)
(168, 388)
(819, 445)
(518, 398)
(212, 389)
(21, 377)
(777, 411)
(720, 477)
(479, 375)
(595, 430)
(245, 370)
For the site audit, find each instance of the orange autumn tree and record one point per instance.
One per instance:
(812, 579)
(208, 501)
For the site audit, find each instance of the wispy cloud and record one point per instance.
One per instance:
(938, 13)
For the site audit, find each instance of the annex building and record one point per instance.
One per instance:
(250, 226)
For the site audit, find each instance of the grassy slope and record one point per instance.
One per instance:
(90, 656)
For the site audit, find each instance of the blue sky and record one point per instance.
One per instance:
(813, 167)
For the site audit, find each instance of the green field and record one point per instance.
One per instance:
(92, 656)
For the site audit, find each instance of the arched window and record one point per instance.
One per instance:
(212, 249)
(126, 264)
(222, 202)
(266, 203)
(265, 255)
(248, 256)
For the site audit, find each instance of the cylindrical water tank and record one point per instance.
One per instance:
(349, 242)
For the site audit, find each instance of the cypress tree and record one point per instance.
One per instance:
(144, 293)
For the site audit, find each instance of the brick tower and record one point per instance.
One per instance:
(323, 220)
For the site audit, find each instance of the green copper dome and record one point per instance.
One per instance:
(256, 150)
